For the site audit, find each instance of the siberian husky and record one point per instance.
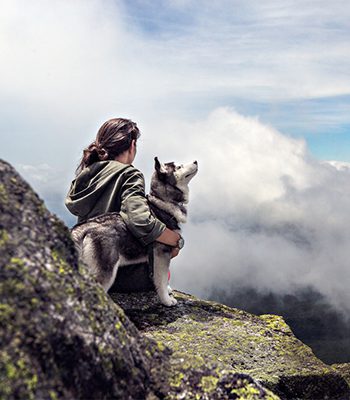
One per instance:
(104, 243)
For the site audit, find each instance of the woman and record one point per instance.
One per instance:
(106, 181)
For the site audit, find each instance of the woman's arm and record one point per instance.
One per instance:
(135, 209)
(136, 214)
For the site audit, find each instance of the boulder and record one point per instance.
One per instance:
(209, 335)
(61, 335)
(344, 370)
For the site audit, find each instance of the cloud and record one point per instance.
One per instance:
(263, 213)
(258, 49)
(68, 66)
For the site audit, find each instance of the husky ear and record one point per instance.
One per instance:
(158, 166)
(161, 172)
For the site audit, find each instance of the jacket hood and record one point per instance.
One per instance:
(88, 186)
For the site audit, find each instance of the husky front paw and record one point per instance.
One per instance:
(169, 301)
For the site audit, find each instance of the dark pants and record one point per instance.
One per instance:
(133, 278)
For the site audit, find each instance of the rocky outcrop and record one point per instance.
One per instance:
(344, 370)
(310, 315)
(211, 335)
(62, 337)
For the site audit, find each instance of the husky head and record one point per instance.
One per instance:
(170, 181)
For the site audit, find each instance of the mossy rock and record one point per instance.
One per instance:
(344, 370)
(61, 335)
(207, 335)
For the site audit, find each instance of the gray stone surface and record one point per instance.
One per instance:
(61, 335)
(204, 334)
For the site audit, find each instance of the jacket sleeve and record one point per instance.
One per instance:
(135, 210)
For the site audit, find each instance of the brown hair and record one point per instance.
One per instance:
(113, 138)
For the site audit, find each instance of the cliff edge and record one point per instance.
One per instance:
(62, 337)
(208, 334)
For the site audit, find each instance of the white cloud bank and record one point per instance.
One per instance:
(262, 211)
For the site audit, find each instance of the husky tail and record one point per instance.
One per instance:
(78, 238)
(97, 250)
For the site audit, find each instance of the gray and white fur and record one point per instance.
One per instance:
(104, 243)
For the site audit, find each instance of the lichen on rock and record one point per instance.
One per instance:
(344, 370)
(209, 336)
(61, 335)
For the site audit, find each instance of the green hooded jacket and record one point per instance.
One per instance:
(108, 186)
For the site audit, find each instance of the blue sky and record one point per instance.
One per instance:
(285, 62)
(257, 91)
(264, 28)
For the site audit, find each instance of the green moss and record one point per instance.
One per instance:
(11, 371)
(190, 361)
(177, 379)
(17, 262)
(63, 267)
(343, 370)
(209, 383)
(34, 301)
(21, 363)
(6, 311)
(42, 210)
(248, 391)
(3, 194)
(19, 371)
(206, 336)
(53, 395)
(160, 346)
(81, 269)
(148, 353)
(4, 237)
(12, 286)
(32, 382)
(276, 323)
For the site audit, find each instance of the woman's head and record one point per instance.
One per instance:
(115, 137)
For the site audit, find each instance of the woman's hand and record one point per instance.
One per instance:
(174, 252)
(169, 237)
